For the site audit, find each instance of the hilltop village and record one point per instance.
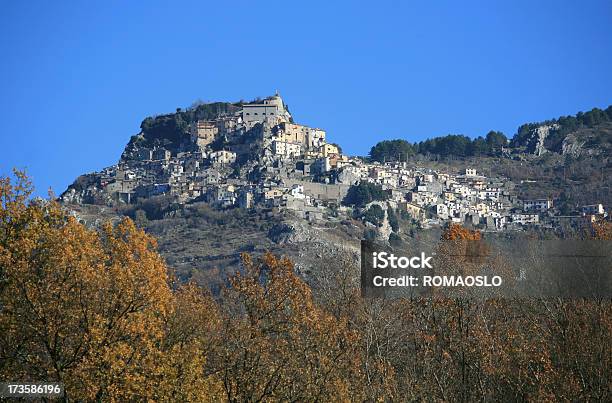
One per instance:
(253, 155)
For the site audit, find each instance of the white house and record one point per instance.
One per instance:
(297, 191)
(537, 204)
(442, 211)
(524, 219)
(286, 149)
(223, 157)
(593, 209)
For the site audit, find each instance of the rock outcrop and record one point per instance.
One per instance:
(536, 140)
(572, 146)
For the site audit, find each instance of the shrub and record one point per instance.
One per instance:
(375, 215)
(364, 193)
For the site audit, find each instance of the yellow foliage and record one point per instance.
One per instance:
(95, 309)
(458, 232)
(602, 230)
(279, 345)
(87, 308)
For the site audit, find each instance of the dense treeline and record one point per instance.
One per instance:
(98, 311)
(392, 150)
(456, 145)
(463, 146)
(450, 145)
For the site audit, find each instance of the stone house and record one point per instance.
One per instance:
(269, 108)
(329, 149)
(161, 154)
(203, 132)
(525, 219)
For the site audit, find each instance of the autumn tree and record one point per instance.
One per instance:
(87, 308)
(192, 332)
(96, 310)
(601, 230)
(279, 345)
(455, 232)
(460, 251)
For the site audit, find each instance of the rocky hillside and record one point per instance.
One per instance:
(169, 130)
(588, 133)
(220, 179)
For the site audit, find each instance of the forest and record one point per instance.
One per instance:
(455, 145)
(99, 311)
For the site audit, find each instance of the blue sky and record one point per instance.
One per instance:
(77, 78)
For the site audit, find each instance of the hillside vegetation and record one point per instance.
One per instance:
(566, 125)
(456, 145)
(98, 311)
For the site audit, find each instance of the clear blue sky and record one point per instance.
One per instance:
(77, 78)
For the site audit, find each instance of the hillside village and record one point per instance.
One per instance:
(253, 155)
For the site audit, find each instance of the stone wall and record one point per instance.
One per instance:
(321, 191)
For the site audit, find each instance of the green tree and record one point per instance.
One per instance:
(364, 193)
(495, 140)
(452, 145)
(393, 221)
(479, 147)
(374, 214)
(391, 150)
